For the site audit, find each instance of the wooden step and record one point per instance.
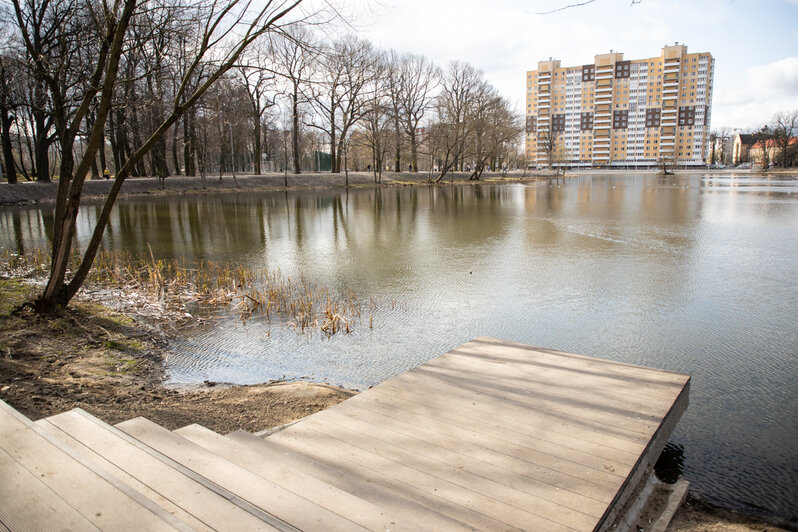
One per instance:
(191, 498)
(70, 491)
(286, 509)
(397, 497)
(485, 505)
(270, 467)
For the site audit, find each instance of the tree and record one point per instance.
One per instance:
(493, 126)
(223, 32)
(548, 141)
(418, 79)
(784, 131)
(339, 92)
(763, 138)
(294, 54)
(8, 104)
(460, 84)
(377, 118)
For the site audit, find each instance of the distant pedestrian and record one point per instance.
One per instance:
(106, 174)
(410, 167)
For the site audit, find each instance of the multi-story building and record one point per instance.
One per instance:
(620, 113)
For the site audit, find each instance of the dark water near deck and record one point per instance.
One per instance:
(691, 274)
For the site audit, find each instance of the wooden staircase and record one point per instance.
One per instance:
(138, 475)
(490, 436)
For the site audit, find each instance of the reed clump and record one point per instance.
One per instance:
(298, 303)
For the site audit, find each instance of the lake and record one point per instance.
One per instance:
(695, 274)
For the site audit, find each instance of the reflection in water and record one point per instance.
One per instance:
(689, 274)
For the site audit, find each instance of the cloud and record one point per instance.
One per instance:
(763, 91)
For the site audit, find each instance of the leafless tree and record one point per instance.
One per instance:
(461, 82)
(339, 91)
(257, 74)
(225, 31)
(493, 126)
(549, 141)
(418, 79)
(294, 53)
(785, 129)
(763, 138)
(377, 118)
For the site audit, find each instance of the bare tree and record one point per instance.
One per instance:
(418, 79)
(378, 117)
(460, 84)
(764, 139)
(785, 129)
(8, 104)
(549, 141)
(494, 127)
(258, 79)
(339, 92)
(223, 33)
(294, 53)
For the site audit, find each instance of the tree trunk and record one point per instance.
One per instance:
(175, 158)
(335, 163)
(8, 151)
(41, 146)
(115, 148)
(103, 162)
(189, 143)
(295, 129)
(258, 147)
(95, 172)
(413, 149)
(398, 153)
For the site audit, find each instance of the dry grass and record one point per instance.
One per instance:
(249, 292)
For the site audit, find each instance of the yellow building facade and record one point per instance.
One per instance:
(620, 113)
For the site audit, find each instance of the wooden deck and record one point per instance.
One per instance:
(490, 436)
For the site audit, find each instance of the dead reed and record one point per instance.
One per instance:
(297, 303)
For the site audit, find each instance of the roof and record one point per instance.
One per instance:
(746, 138)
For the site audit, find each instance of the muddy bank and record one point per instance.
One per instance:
(110, 363)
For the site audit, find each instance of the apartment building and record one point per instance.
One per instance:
(620, 113)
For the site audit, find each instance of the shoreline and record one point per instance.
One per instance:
(32, 193)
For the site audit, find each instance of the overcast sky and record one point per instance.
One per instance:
(754, 42)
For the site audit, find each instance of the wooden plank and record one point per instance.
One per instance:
(102, 499)
(549, 380)
(270, 467)
(555, 503)
(370, 484)
(29, 504)
(461, 452)
(628, 422)
(287, 506)
(579, 429)
(190, 500)
(482, 422)
(539, 424)
(649, 378)
(501, 453)
(486, 512)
